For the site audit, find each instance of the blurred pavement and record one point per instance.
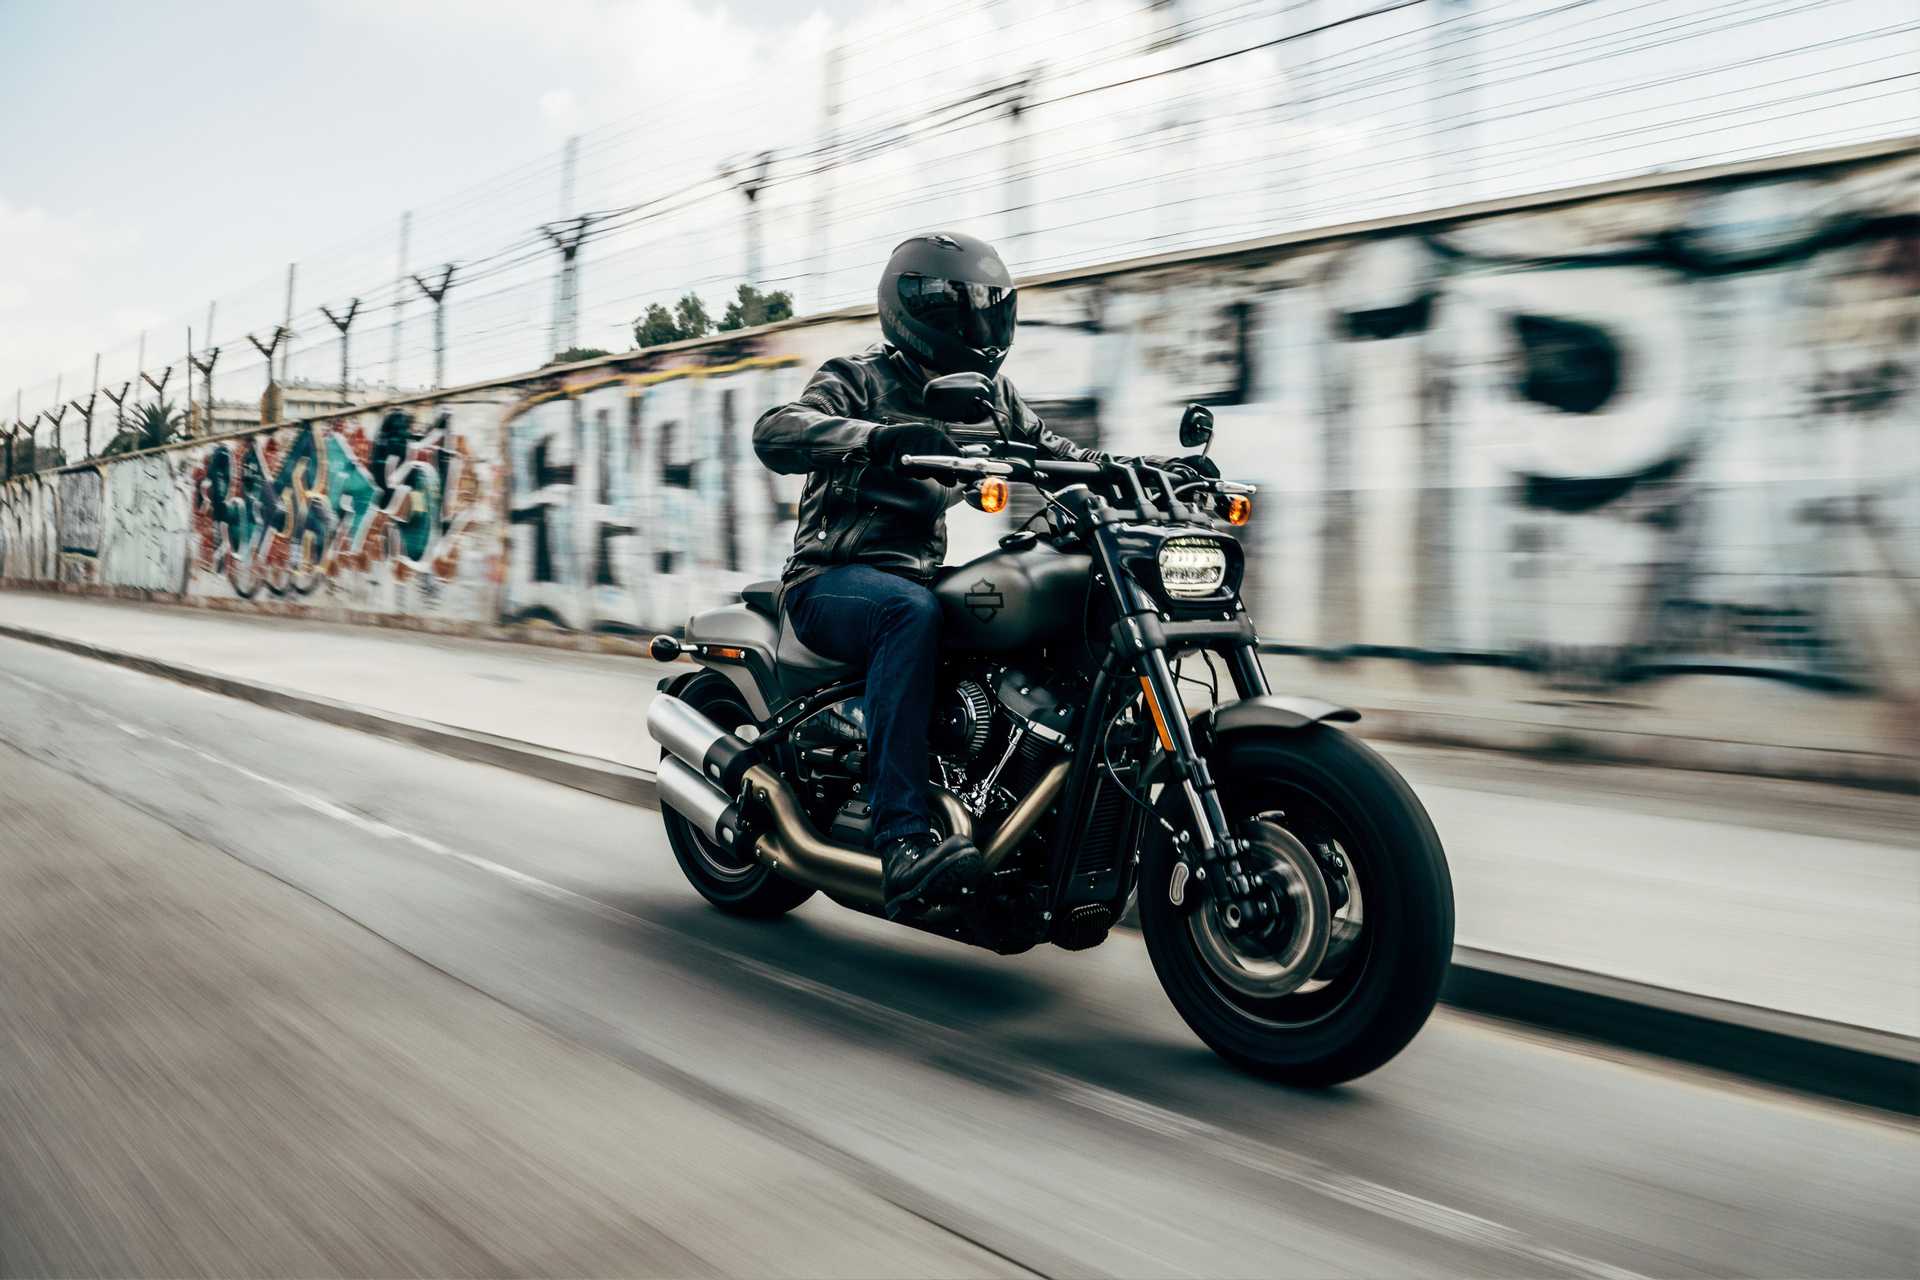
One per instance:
(209, 1072)
(244, 1027)
(1781, 895)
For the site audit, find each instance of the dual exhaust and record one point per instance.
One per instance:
(707, 773)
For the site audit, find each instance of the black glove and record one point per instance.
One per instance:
(889, 443)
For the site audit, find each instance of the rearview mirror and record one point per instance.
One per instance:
(1196, 427)
(960, 397)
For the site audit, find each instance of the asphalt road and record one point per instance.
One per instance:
(395, 1013)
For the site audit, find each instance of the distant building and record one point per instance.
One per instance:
(298, 400)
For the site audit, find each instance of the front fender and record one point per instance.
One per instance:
(1284, 711)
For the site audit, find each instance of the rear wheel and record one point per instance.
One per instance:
(731, 879)
(1366, 906)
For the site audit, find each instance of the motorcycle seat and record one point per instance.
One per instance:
(762, 597)
(802, 670)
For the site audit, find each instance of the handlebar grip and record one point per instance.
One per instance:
(1068, 470)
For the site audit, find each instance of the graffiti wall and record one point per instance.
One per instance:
(1648, 462)
(387, 513)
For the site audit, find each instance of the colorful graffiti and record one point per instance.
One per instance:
(288, 511)
(384, 515)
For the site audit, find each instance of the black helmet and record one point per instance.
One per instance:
(947, 302)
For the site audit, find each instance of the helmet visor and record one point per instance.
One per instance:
(979, 315)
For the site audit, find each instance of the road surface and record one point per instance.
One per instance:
(278, 997)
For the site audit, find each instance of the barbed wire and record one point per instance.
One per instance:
(1148, 129)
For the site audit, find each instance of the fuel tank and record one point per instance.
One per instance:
(1012, 598)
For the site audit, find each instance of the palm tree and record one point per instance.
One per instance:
(152, 425)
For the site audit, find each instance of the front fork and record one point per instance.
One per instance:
(1245, 902)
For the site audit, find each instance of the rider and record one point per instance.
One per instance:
(870, 539)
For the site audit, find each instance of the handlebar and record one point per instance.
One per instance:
(1045, 473)
(1034, 469)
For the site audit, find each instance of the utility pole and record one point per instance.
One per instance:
(139, 363)
(343, 323)
(271, 400)
(86, 410)
(287, 325)
(1293, 170)
(567, 234)
(400, 299)
(751, 178)
(436, 294)
(823, 197)
(1018, 169)
(1450, 89)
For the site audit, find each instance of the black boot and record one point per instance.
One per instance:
(923, 871)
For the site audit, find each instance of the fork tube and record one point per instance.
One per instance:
(1196, 780)
(1249, 677)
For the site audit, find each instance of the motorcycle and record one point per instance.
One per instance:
(1292, 893)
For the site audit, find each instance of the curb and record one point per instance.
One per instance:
(1833, 1060)
(583, 773)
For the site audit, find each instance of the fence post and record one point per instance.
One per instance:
(343, 323)
(437, 294)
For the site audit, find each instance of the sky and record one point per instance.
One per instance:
(157, 157)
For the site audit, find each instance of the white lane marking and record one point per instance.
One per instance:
(1296, 1170)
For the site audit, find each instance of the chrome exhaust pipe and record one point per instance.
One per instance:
(681, 731)
(803, 854)
(700, 763)
(1026, 815)
(708, 808)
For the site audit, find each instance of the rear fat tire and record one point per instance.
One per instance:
(738, 885)
(1408, 898)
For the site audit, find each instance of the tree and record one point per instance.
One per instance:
(750, 307)
(688, 319)
(152, 426)
(574, 355)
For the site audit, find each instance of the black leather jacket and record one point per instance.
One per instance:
(852, 511)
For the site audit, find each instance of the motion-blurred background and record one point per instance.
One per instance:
(1574, 344)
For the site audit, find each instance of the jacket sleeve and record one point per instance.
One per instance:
(823, 425)
(1031, 426)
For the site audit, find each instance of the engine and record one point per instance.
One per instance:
(993, 734)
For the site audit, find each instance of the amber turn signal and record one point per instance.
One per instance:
(1238, 508)
(993, 496)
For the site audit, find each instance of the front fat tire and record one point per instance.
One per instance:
(1409, 901)
(752, 888)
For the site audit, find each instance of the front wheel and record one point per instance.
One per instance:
(731, 879)
(1354, 966)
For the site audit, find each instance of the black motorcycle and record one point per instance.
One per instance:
(1293, 894)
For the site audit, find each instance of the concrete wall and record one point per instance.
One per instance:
(1637, 474)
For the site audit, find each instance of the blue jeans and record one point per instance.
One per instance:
(891, 626)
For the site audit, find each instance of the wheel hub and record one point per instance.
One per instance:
(1284, 955)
